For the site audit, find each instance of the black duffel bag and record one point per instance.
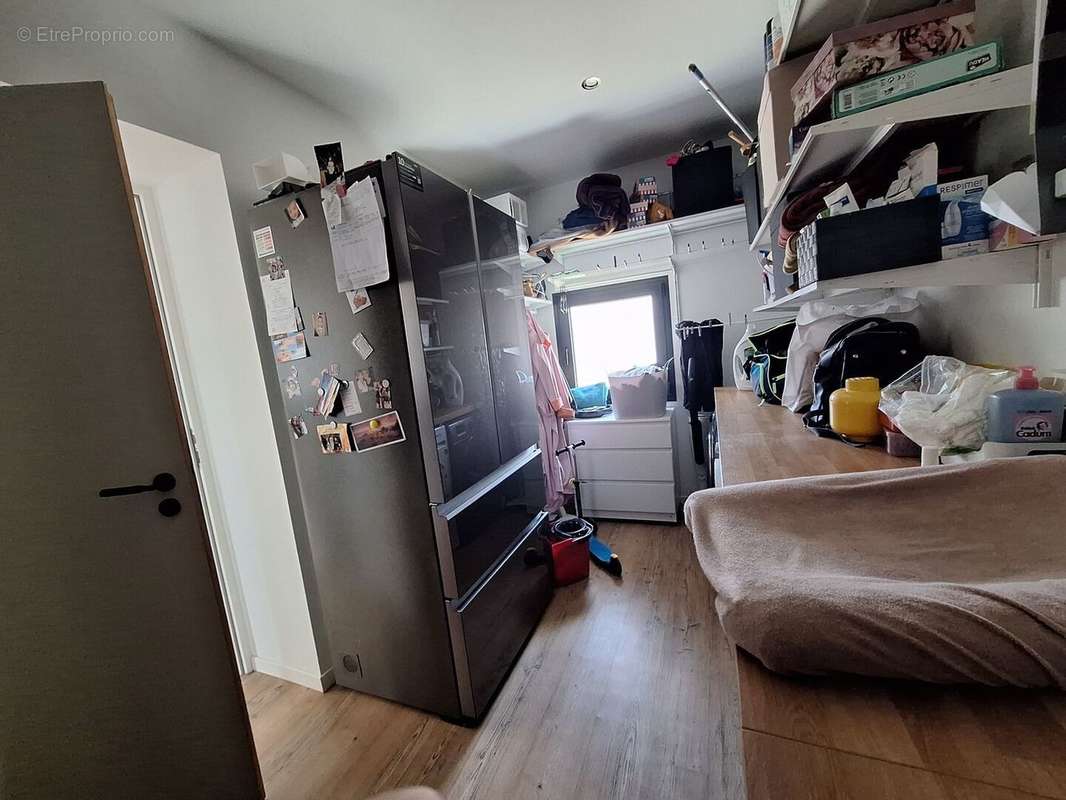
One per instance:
(872, 347)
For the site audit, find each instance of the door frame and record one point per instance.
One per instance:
(218, 533)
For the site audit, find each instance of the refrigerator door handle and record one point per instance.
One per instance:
(464, 500)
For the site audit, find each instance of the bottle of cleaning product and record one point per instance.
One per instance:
(1025, 413)
(853, 409)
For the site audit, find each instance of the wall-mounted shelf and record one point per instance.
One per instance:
(1021, 265)
(837, 147)
(536, 302)
(431, 301)
(650, 246)
(812, 21)
(438, 349)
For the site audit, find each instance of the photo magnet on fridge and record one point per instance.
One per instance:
(292, 383)
(362, 346)
(333, 437)
(383, 393)
(330, 164)
(320, 324)
(358, 300)
(299, 427)
(364, 380)
(276, 266)
(377, 432)
(295, 213)
(290, 348)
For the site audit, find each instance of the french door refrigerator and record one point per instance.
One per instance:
(429, 554)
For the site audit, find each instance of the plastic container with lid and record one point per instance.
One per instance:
(853, 409)
(1025, 413)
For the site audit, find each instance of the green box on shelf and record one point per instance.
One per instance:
(927, 76)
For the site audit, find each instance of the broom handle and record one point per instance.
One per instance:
(721, 103)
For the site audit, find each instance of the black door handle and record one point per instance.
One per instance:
(163, 482)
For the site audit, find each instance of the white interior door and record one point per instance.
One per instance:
(117, 675)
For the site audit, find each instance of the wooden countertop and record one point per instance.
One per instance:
(852, 738)
(764, 443)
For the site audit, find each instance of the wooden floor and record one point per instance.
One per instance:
(626, 690)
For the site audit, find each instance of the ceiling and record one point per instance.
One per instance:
(488, 91)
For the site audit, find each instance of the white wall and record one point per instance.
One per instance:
(224, 385)
(721, 283)
(194, 91)
(999, 325)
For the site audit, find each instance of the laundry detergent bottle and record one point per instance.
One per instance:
(1025, 413)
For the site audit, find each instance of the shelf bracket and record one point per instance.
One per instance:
(1045, 290)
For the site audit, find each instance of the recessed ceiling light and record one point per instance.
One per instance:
(590, 83)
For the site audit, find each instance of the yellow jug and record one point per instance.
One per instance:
(853, 409)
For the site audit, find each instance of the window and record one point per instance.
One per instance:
(612, 328)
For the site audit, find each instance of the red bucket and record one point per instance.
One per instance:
(570, 550)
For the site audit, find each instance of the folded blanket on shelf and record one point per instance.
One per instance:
(942, 574)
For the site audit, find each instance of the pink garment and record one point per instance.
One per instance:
(553, 407)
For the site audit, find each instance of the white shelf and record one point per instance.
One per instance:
(431, 301)
(668, 227)
(1016, 266)
(812, 21)
(536, 302)
(837, 147)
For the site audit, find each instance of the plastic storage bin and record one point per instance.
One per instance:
(639, 393)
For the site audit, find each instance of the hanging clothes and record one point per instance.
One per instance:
(554, 407)
(701, 371)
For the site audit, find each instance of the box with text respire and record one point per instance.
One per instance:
(963, 225)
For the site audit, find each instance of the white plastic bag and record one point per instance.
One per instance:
(815, 322)
(941, 402)
(741, 353)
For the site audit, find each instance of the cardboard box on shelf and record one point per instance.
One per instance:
(1004, 236)
(963, 225)
(928, 76)
(853, 55)
(775, 122)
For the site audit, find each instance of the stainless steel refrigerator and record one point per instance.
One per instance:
(429, 554)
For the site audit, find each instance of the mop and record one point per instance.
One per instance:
(599, 552)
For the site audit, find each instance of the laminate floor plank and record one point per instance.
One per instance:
(784, 769)
(627, 689)
(1014, 738)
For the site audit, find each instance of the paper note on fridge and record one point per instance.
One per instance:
(277, 300)
(264, 242)
(358, 240)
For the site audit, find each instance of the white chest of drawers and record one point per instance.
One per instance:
(626, 468)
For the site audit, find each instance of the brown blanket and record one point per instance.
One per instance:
(945, 574)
